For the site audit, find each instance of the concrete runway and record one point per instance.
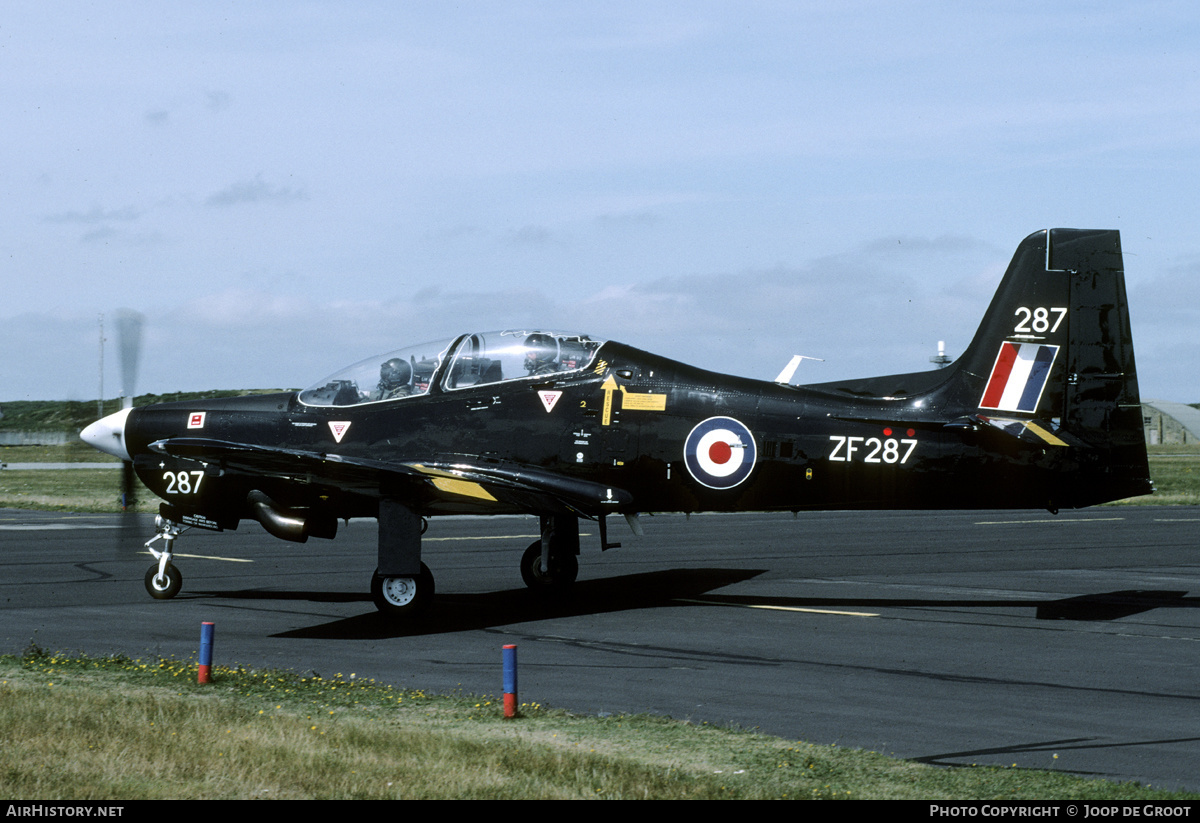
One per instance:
(950, 638)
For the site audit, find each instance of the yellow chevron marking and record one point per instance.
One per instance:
(465, 488)
(1045, 435)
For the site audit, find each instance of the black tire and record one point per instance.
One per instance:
(564, 568)
(163, 590)
(403, 596)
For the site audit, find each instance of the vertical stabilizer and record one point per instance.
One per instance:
(1055, 347)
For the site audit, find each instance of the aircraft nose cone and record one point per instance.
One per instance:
(108, 434)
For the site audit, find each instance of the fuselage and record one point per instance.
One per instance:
(1041, 410)
(634, 421)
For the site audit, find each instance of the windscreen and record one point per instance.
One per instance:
(405, 372)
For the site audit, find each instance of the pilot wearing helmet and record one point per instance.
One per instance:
(395, 379)
(541, 354)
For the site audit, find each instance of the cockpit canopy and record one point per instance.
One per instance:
(448, 365)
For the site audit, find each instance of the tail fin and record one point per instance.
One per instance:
(1055, 346)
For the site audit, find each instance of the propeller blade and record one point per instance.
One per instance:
(129, 344)
(129, 347)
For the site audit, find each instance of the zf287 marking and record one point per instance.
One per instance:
(871, 449)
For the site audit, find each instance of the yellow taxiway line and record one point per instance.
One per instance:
(775, 608)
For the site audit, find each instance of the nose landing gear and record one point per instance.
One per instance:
(163, 579)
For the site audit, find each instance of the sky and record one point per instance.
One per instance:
(282, 189)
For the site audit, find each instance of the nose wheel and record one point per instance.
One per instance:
(163, 584)
(163, 580)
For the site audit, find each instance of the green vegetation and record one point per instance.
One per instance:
(79, 728)
(52, 415)
(73, 415)
(1175, 470)
(73, 451)
(74, 490)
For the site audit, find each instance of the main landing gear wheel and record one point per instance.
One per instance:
(564, 568)
(166, 586)
(402, 596)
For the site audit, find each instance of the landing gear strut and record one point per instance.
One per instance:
(402, 585)
(163, 580)
(551, 563)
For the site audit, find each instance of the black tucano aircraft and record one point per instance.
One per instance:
(1041, 411)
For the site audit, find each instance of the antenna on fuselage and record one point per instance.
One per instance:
(785, 376)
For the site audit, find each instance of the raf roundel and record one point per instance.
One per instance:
(720, 453)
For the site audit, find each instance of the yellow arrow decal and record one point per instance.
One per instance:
(609, 386)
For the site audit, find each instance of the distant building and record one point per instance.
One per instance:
(1170, 422)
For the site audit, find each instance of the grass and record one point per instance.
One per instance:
(77, 490)
(80, 728)
(74, 490)
(1175, 470)
(73, 451)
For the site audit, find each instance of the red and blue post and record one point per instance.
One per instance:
(510, 681)
(206, 644)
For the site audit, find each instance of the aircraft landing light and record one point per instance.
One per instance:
(776, 608)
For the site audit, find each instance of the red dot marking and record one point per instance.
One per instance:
(720, 452)
(887, 432)
(911, 432)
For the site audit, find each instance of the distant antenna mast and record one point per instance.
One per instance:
(941, 359)
(100, 398)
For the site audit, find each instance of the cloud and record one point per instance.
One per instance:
(253, 191)
(628, 220)
(873, 309)
(102, 225)
(95, 215)
(217, 101)
(99, 235)
(877, 308)
(531, 235)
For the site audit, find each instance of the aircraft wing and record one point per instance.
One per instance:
(446, 485)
